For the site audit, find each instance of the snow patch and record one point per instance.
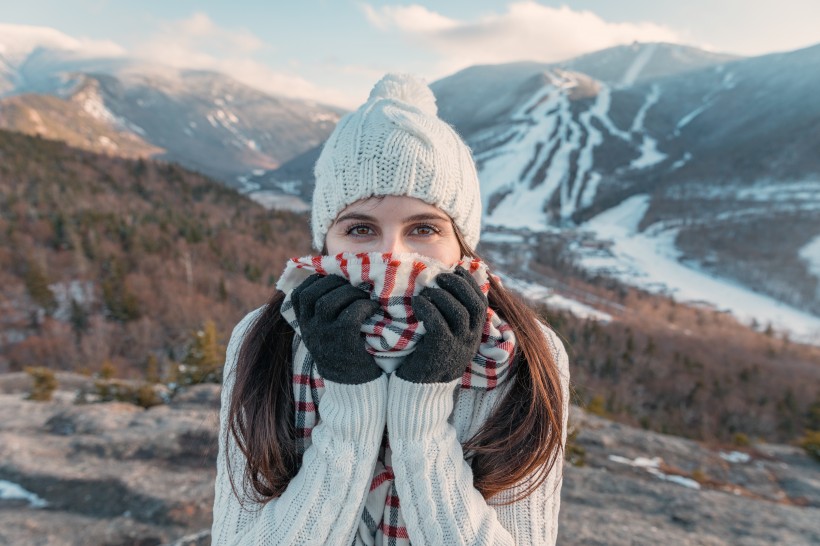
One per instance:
(649, 259)
(810, 253)
(652, 466)
(274, 200)
(501, 237)
(685, 120)
(37, 120)
(682, 161)
(538, 293)
(735, 457)
(230, 122)
(650, 155)
(637, 66)
(107, 142)
(653, 97)
(94, 105)
(12, 491)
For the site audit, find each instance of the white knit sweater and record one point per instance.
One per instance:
(323, 502)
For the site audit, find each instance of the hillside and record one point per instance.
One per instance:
(106, 259)
(654, 362)
(106, 101)
(74, 121)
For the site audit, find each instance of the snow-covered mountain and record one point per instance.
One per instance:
(709, 158)
(109, 102)
(42, 60)
(720, 152)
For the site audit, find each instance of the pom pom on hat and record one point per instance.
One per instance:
(395, 144)
(405, 88)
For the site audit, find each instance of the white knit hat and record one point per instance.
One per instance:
(395, 144)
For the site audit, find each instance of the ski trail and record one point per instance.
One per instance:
(638, 65)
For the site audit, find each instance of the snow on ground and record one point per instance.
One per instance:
(501, 237)
(638, 64)
(246, 185)
(12, 491)
(681, 162)
(684, 121)
(534, 161)
(766, 192)
(649, 260)
(652, 466)
(521, 209)
(735, 457)
(536, 292)
(811, 254)
(273, 200)
(651, 99)
(650, 155)
(585, 161)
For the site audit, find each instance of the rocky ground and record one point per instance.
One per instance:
(116, 474)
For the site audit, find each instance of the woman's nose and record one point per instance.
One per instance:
(394, 244)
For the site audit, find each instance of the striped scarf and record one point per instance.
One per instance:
(390, 335)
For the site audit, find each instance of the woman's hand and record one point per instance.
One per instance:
(330, 312)
(454, 317)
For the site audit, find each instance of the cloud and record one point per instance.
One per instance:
(411, 19)
(199, 43)
(526, 31)
(18, 41)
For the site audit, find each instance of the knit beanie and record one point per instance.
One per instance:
(395, 144)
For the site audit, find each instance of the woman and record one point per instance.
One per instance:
(392, 391)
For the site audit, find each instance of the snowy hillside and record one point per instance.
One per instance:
(724, 157)
(623, 66)
(650, 259)
(722, 151)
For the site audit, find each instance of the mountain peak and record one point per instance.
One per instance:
(624, 65)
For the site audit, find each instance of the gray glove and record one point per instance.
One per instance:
(454, 317)
(330, 312)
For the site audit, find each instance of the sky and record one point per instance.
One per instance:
(333, 51)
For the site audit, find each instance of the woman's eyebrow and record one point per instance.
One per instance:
(425, 216)
(354, 216)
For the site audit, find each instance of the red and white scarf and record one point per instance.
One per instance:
(390, 335)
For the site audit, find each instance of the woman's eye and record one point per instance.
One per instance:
(426, 230)
(359, 230)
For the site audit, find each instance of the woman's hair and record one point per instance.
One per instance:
(517, 445)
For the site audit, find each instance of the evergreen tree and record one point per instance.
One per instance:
(205, 357)
(37, 287)
(79, 319)
(122, 304)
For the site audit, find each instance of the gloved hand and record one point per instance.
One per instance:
(330, 312)
(454, 317)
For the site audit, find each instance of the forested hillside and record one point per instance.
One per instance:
(119, 263)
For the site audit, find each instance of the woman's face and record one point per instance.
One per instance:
(394, 224)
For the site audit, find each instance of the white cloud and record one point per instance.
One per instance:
(526, 31)
(18, 41)
(412, 18)
(199, 43)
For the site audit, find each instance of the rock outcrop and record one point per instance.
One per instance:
(117, 474)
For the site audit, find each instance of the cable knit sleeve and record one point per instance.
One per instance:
(435, 483)
(323, 502)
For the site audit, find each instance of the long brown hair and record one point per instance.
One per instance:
(517, 446)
